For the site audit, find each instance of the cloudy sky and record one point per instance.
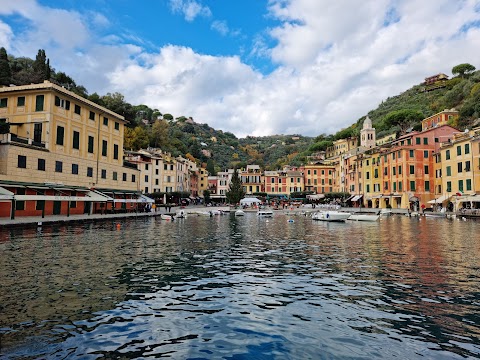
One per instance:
(251, 67)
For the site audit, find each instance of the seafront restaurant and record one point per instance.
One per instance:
(61, 154)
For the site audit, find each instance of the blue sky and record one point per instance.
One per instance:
(251, 67)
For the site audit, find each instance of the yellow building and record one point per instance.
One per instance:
(341, 146)
(61, 153)
(459, 161)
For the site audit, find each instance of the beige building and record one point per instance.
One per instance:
(62, 153)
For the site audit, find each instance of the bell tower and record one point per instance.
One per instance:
(367, 134)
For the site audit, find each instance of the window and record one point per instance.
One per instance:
(105, 121)
(375, 173)
(459, 167)
(449, 186)
(467, 166)
(41, 164)
(60, 134)
(436, 140)
(447, 155)
(90, 144)
(394, 171)
(394, 186)
(22, 161)
(449, 171)
(459, 150)
(385, 171)
(75, 169)
(117, 126)
(411, 153)
(21, 101)
(425, 141)
(40, 205)
(146, 178)
(460, 185)
(91, 116)
(386, 185)
(104, 147)
(425, 154)
(76, 140)
(314, 172)
(417, 141)
(368, 175)
(73, 204)
(393, 156)
(89, 172)
(77, 109)
(409, 142)
(425, 170)
(469, 184)
(115, 152)
(58, 166)
(412, 185)
(3, 102)
(124, 177)
(467, 148)
(400, 170)
(400, 186)
(114, 175)
(427, 185)
(104, 173)
(62, 103)
(133, 177)
(39, 103)
(412, 170)
(368, 188)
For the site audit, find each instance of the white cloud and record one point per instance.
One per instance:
(190, 9)
(220, 26)
(335, 61)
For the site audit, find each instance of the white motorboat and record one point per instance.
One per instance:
(330, 215)
(364, 217)
(265, 213)
(166, 217)
(182, 214)
(239, 213)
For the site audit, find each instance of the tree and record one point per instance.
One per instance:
(211, 167)
(168, 117)
(41, 67)
(403, 119)
(159, 134)
(463, 70)
(206, 196)
(235, 191)
(5, 71)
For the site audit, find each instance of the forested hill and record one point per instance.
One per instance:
(182, 135)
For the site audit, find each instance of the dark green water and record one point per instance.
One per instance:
(242, 288)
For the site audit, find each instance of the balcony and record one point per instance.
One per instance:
(14, 138)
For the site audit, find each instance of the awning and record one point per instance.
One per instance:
(472, 198)
(145, 199)
(315, 196)
(357, 197)
(413, 199)
(5, 194)
(95, 195)
(439, 200)
(377, 197)
(350, 197)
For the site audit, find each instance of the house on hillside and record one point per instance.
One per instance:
(435, 82)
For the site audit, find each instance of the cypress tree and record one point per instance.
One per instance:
(235, 191)
(5, 70)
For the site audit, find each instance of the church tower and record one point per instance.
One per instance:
(367, 134)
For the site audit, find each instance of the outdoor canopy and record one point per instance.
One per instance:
(249, 201)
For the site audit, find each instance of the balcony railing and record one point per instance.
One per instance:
(14, 138)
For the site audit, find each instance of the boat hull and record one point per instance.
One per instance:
(364, 217)
(331, 216)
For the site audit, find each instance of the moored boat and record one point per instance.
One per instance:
(330, 215)
(239, 213)
(364, 217)
(167, 217)
(265, 213)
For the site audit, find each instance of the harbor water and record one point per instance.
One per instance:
(227, 287)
